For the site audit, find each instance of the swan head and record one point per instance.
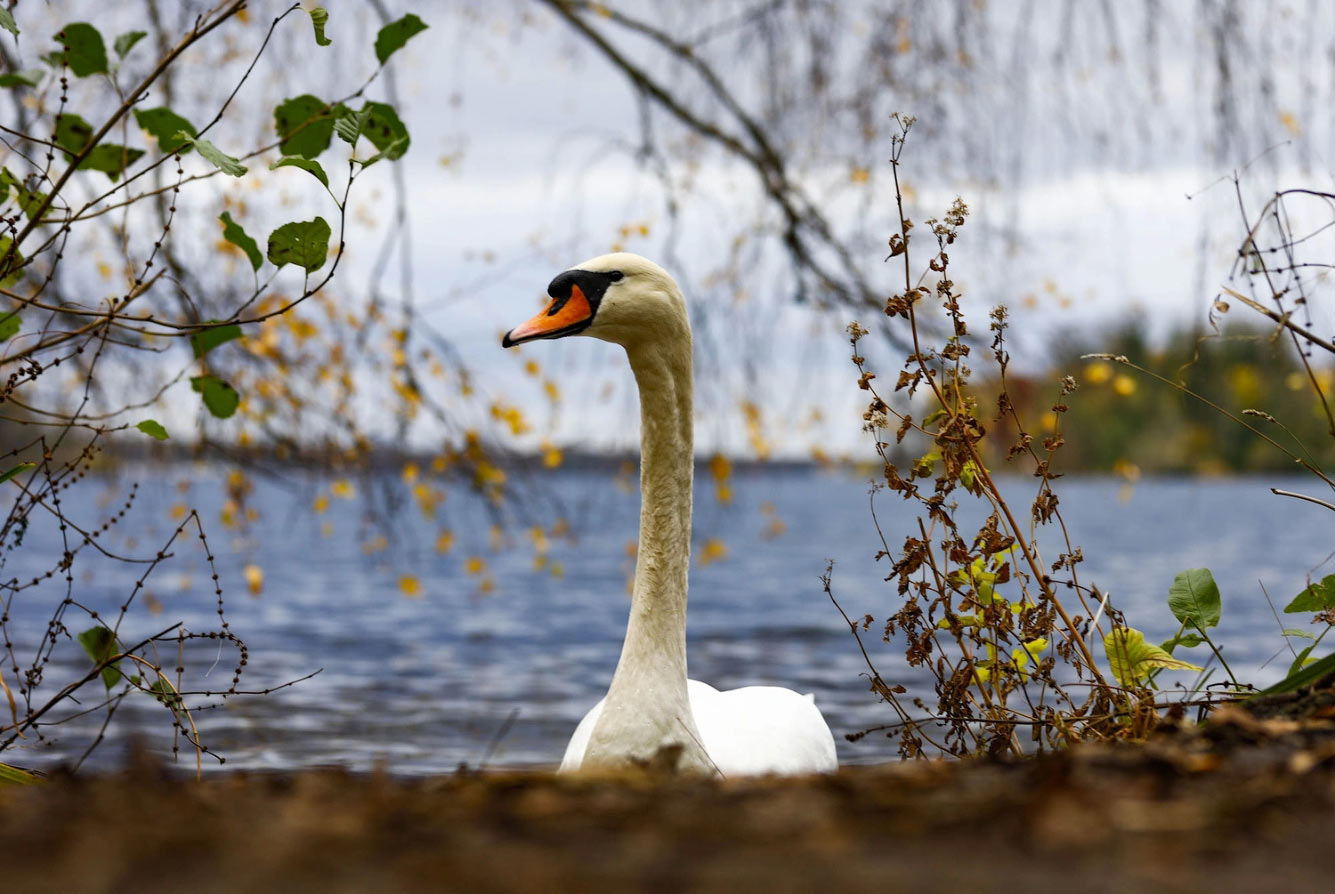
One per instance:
(621, 298)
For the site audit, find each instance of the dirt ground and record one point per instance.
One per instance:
(1246, 803)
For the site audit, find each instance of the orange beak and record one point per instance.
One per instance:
(563, 316)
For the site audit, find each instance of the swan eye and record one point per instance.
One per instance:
(616, 276)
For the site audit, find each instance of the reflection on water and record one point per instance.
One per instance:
(421, 685)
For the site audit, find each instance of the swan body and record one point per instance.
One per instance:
(651, 708)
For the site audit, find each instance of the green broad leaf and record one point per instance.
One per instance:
(220, 398)
(100, 643)
(8, 276)
(165, 126)
(306, 164)
(304, 243)
(392, 151)
(1300, 675)
(1294, 631)
(21, 467)
(393, 36)
(17, 776)
(221, 160)
(968, 472)
(28, 77)
(163, 692)
(72, 134)
(348, 124)
(7, 22)
(206, 340)
(1132, 659)
(320, 18)
(9, 324)
(234, 234)
(29, 200)
(55, 58)
(85, 49)
(1315, 598)
(305, 124)
(1185, 640)
(123, 44)
(153, 429)
(1194, 598)
(385, 131)
(110, 159)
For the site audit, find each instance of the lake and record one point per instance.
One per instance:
(497, 667)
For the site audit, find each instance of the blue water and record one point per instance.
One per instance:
(422, 685)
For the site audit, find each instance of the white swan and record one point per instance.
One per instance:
(651, 707)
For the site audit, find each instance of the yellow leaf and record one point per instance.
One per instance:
(254, 575)
(321, 504)
(1132, 659)
(713, 550)
(859, 175)
(444, 541)
(475, 565)
(343, 489)
(531, 367)
(1124, 385)
(178, 511)
(410, 586)
(551, 457)
(1290, 122)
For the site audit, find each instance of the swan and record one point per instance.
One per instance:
(652, 711)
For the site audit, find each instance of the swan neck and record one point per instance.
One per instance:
(647, 704)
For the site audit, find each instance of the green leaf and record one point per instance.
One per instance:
(163, 692)
(9, 324)
(85, 49)
(17, 776)
(393, 36)
(165, 126)
(206, 340)
(320, 18)
(110, 159)
(1317, 597)
(123, 44)
(1132, 659)
(100, 643)
(28, 200)
(1185, 640)
(305, 164)
(220, 398)
(384, 129)
(221, 160)
(348, 124)
(1194, 598)
(153, 429)
(1293, 631)
(304, 243)
(234, 234)
(28, 77)
(55, 58)
(72, 134)
(21, 467)
(7, 22)
(1300, 676)
(305, 124)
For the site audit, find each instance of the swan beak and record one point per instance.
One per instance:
(563, 316)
